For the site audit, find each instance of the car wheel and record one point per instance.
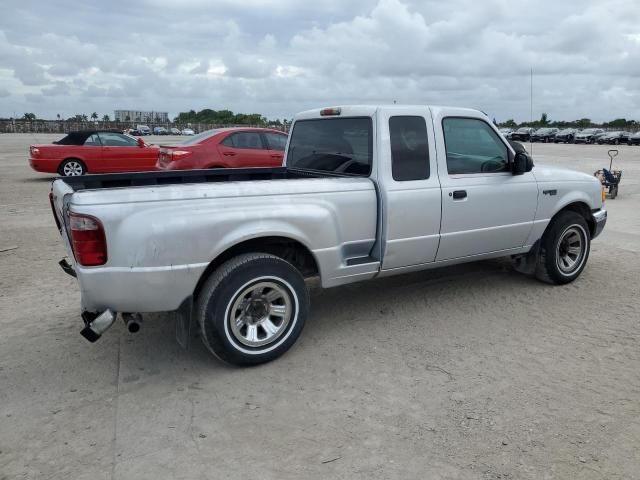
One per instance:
(72, 167)
(252, 309)
(564, 249)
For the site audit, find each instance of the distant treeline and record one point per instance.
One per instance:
(225, 117)
(618, 123)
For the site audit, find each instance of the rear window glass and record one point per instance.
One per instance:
(200, 137)
(338, 145)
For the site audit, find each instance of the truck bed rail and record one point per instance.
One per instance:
(172, 177)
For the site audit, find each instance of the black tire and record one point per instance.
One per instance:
(561, 230)
(71, 167)
(227, 286)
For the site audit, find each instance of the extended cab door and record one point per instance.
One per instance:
(411, 189)
(485, 208)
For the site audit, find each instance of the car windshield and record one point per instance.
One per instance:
(566, 130)
(200, 137)
(614, 133)
(338, 145)
(544, 130)
(523, 130)
(589, 130)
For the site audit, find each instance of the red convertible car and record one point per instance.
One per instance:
(94, 151)
(236, 147)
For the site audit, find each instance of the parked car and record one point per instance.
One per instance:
(187, 131)
(634, 139)
(589, 135)
(567, 135)
(225, 148)
(94, 151)
(143, 129)
(545, 135)
(160, 131)
(506, 132)
(614, 138)
(175, 131)
(522, 134)
(230, 249)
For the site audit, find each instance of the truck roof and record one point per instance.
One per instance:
(370, 110)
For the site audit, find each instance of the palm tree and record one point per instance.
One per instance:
(127, 118)
(84, 118)
(58, 116)
(29, 116)
(106, 118)
(94, 116)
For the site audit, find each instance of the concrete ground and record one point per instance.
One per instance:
(471, 372)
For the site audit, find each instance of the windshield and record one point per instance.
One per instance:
(589, 130)
(338, 145)
(544, 130)
(523, 130)
(200, 137)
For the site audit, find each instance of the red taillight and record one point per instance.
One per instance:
(179, 154)
(327, 112)
(88, 240)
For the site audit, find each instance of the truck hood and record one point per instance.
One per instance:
(552, 173)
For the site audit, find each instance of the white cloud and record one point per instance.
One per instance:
(281, 56)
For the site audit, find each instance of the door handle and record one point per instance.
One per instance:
(459, 194)
(229, 154)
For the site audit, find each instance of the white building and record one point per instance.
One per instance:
(139, 116)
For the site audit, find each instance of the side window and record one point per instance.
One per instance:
(473, 147)
(250, 140)
(110, 139)
(409, 149)
(275, 141)
(92, 141)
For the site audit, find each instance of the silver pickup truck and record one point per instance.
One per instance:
(365, 192)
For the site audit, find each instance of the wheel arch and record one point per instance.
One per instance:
(582, 209)
(287, 248)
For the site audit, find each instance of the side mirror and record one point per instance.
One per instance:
(522, 163)
(140, 142)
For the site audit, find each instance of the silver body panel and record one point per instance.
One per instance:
(162, 238)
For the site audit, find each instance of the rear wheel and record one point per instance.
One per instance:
(252, 309)
(72, 167)
(564, 249)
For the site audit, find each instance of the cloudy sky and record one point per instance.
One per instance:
(277, 57)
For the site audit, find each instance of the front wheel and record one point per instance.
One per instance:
(252, 309)
(564, 249)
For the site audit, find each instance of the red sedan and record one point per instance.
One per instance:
(94, 151)
(226, 148)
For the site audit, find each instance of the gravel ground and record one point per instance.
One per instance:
(470, 372)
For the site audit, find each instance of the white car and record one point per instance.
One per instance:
(188, 131)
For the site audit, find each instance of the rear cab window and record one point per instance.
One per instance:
(409, 148)
(333, 145)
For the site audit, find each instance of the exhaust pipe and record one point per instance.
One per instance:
(132, 321)
(100, 324)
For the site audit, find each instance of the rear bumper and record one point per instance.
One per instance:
(44, 165)
(599, 218)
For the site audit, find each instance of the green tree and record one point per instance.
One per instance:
(544, 119)
(583, 123)
(105, 118)
(509, 124)
(94, 116)
(29, 116)
(127, 118)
